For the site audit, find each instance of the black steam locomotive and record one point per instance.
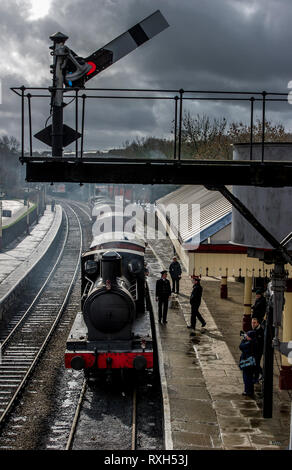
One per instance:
(113, 330)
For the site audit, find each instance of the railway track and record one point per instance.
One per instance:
(114, 419)
(118, 417)
(27, 340)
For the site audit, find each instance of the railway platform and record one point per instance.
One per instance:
(202, 384)
(17, 262)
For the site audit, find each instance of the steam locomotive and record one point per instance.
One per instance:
(112, 333)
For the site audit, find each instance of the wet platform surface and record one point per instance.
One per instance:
(203, 381)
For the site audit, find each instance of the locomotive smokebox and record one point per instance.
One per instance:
(111, 266)
(109, 309)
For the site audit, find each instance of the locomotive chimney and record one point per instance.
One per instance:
(111, 266)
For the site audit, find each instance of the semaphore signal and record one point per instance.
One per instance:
(71, 71)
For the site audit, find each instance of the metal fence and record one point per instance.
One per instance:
(178, 97)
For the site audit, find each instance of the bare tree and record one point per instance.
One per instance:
(204, 137)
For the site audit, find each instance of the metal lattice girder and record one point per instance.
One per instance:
(144, 171)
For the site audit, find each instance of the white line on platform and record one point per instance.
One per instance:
(167, 418)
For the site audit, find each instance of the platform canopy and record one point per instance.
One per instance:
(202, 214)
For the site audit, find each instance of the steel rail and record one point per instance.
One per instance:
(134, 419)
(28, 373)
(76, 416)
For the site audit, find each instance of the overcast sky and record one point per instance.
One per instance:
(210, 45)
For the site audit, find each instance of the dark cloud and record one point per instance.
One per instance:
(210, 44)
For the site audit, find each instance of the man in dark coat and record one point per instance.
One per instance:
(163, 292)
(175, 273)
(248, 347)
(259, 331)
(259, 307)
(195, 301)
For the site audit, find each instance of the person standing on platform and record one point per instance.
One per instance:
(259, 331)
(259, 308)
(247, 364)
(146, 269)
(195, 301)
(163, 292)
(175, 273)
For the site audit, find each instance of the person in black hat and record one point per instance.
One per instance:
(163, 292)
(259, 307)
(175, 273)
(248, 347)
(195, 301)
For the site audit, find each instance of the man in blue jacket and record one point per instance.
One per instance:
(248, 347)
